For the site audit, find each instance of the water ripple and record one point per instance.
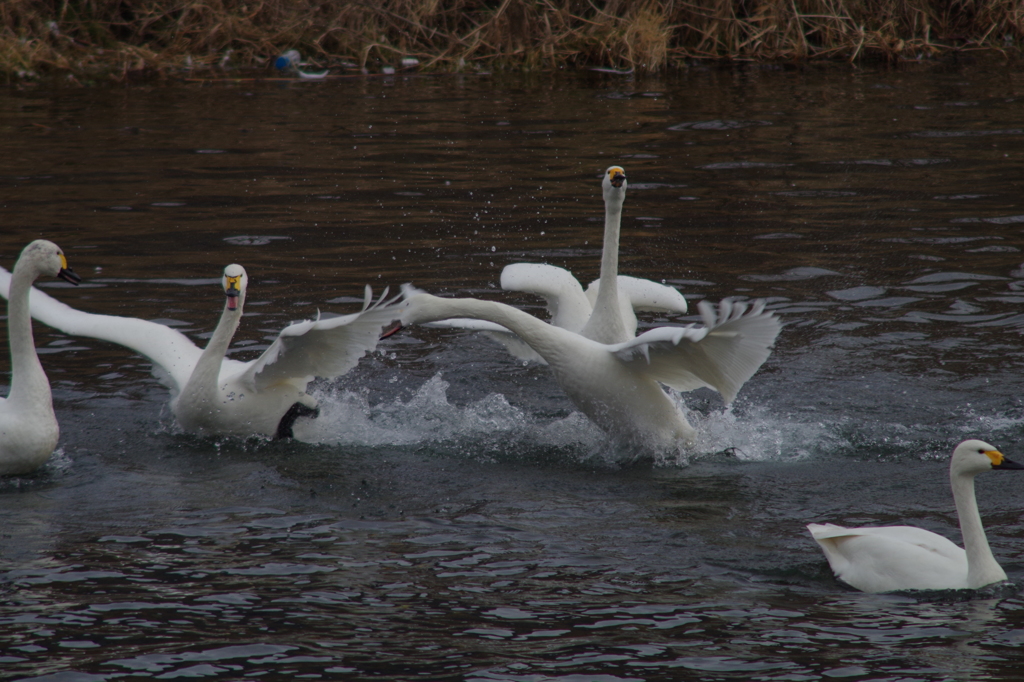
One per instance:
(718, 124)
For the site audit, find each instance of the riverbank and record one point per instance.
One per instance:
(88, 40)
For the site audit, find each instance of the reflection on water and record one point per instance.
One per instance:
(449, 515)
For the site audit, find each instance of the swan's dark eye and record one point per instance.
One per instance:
(981, 451)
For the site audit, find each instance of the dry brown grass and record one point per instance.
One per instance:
(118, 38)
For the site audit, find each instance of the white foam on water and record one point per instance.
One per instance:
(493, 428)
(999, 429)
(757, 435)
(55, 467)
(348, 418)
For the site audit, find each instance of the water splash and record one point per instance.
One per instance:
(428, 417)
(54, 469)
(757, 435)
(494, 429)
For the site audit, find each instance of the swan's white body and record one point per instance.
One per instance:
(889, 558)
(28, 426)
(215, 395)
(617, 385)
(606, 311)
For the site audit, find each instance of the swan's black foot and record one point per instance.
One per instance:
(284, 428)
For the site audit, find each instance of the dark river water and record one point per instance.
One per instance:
(450, 516)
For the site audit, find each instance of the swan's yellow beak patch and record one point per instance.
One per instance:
(617, 175)
(996, 457)
(233, 290)
(66, 273)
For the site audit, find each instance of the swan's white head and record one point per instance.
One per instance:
(614, 184)
(973, 457)
(46, 258)
(235, 281)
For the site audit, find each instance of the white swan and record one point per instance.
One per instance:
(215, 395)
(888, 558)
(28, 426)
(609, 317)
(616, 385)
(605, 323)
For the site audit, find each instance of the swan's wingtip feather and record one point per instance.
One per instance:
(707, 313)
(408, 290)
(725, 310)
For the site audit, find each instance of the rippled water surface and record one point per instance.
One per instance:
(450, 516)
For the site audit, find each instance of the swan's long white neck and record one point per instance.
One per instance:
(982, 567)
(605, 323)
(207, 370)
(29, 385)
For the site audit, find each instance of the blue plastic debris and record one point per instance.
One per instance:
(287, 60)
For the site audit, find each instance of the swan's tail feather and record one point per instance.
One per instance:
(825, 531)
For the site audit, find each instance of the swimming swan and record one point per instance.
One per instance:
(28, 426)
(616, 385)
(887, 558)
(609, 317)
(215, 395)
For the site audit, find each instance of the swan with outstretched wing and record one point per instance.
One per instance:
(215, 395)
(618, 386)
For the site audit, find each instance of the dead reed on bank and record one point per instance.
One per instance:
(122, 38)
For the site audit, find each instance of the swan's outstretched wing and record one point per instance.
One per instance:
(643, 294)
(512, 343)
(467, 324)
(172, 353)
(516, 347)
(722, 355)
(564, 296)
(324, 348)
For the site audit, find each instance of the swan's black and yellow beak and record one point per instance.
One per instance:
(66, 273)
(999, 460)
(616, 176)
(232, 291)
